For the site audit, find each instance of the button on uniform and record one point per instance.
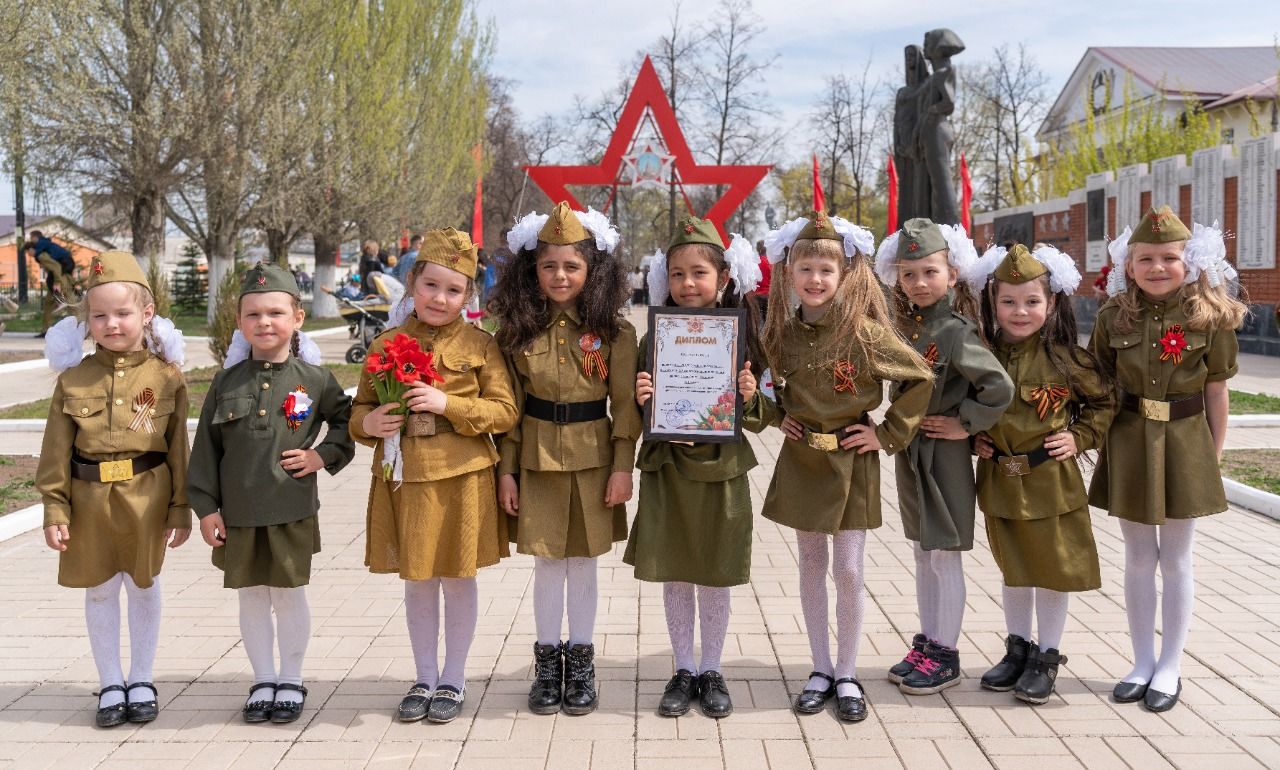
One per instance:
(266, 386)
(119, 401)
(262, 412)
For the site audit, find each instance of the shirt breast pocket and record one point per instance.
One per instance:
(231, 410)
(84, 409)
(1049, 400)
(535, 356)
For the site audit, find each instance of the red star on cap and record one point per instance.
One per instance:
(97, 267)
(688, 229)
(262, 280)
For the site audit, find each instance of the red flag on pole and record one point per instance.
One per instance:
(477, 214)
(819, 199)
(891, 221)
(966, 195)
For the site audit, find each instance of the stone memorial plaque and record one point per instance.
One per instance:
(1015, 228)
(1164, 182)
(1095, 215)
(1256, 220)
(1206, 185)
(1095, 256)
(1129, 196)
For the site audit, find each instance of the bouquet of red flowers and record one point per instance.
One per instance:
(401, 364)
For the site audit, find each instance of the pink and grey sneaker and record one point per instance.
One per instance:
(939, 669)
(908, 664)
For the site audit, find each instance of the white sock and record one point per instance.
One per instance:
(422, 615)
(1141, 555)
(102, 619)
(548, 597)
(258, 635)
(678, 602)
(293, 631)
(461, 612)
(811, 553)
(926, 591)
(847, 569)
(1019, 606)
(1051, 617)
(1177, 538)
(713, 622)
(582, 599)
(948, 574)
(144, 634)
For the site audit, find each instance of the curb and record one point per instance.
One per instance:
(1252, 499)
(21, 522)
(1253, 421)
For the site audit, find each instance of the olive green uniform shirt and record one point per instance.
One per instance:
(1151, 470)
(243, 432)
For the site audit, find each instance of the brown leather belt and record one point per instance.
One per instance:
(1163, 411)
(830, 442)
(115, 470)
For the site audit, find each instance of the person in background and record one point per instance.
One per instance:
(762, 291)
(371, 261)
(636, 281)
(59, 269)
(401, 271)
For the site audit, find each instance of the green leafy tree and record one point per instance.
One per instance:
(189, 289)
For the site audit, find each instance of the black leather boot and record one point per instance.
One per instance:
(908, 664)
(1004, 675)
(1036, 683)
(580, 679)
(548, 679)
(938, 670)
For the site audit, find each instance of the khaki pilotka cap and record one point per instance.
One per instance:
(694, 230)
(268, 276)
(819, 228)
(1160, 226)
(562, 227)
(449, 248)
(919, 238)
(112, 266)
(1019, 266)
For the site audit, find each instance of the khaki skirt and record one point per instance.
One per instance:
(431, 529)
(116, 527)
(278, 556)
(1057, 553)
(562, 514)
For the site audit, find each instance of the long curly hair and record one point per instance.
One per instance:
(522, 311)
(1206, 307)
(728, 298)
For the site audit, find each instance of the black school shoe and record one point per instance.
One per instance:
(580, 695)
(1158, 701)
(850, 708)
(110, 716)
(415, 702)
(143, 710)
(713, 695)
(1004, 675)
(548, 679)
(1036, 683)
(259, 710)
(813, 701)
(446, 704)
(1129, 692)
(936, 671)
(680, 690)
(284, 712)
(908, 664)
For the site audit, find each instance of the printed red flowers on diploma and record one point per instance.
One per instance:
(1172, 344)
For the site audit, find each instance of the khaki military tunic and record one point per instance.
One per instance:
(115, 526)
(693, 520)
(936, 488)
(1151, 470)
(1038, 524)
(443, 521)
(817, 491)
(563, 469)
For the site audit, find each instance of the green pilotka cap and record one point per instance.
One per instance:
(111, 266)
(919, 238)
(1160, 226)
(819, 228)
(268, 276)
(1018, 266)
(694, 230)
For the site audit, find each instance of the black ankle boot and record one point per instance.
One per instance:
(548, 675)
(1036, 683)
(938, 670)
(580, 679)
(1004, 675)
(908, 664)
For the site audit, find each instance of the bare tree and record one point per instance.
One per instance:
(1014, 91)
(831, 121)
(869, 116)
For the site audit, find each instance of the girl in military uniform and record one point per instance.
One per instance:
(1168, 335)
(832, 355)
(922, 264)
(692, 531)
(565, 472)
(435, 522)
(1029, 483)
(253, 484)
(112, 471)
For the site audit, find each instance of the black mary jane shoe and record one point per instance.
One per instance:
(284, 712)
(813, 701)
(1129, 692)
(143, 710)
(414, 705)
(1160, 701)
(446, 704)
(850, 708)
(110, 716)
(255, 711)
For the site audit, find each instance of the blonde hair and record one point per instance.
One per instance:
(1206, 307)
(142, 296)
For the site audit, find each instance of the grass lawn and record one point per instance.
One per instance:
(17, 482)
(1259, 468)
(28, 320)
(198, 382)
(1250, 403)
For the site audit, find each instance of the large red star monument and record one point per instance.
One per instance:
(647, 94)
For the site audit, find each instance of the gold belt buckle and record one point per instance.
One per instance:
(115, 470)
(1155, 410)
(824, 442)
(1015, 465)
(421, 424)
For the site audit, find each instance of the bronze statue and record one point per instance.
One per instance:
(937, 103)
(908, 152)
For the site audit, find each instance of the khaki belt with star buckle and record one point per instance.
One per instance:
(1163, 411)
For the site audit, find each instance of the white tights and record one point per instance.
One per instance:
(292, 627)
(940, 594)
(847, 572)
(1169, 546)
(422, 613)
(550, 579)
(1049, 608)
(713, 617)
(102, 617)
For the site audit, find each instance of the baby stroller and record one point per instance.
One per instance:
(367, 318)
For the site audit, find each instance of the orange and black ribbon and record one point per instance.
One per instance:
(591, 357)
(142, 404)
(845, 373)
(931, 354)
(1049, 398)
(1173, 343)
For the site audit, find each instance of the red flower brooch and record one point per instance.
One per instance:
(1172, 344)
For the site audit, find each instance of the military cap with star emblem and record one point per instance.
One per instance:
(112, 266)
(563, 227)
(268, 276)
(1160, 226)
(819, 228)
(919, 238)
(1019, 266)
(691, 229)
(450, 248)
